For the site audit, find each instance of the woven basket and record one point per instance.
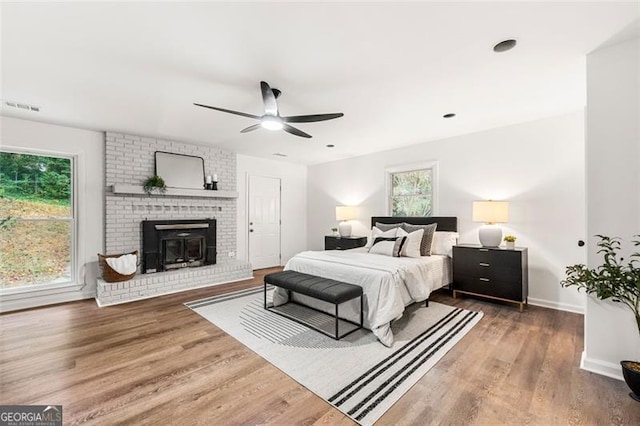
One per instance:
(108, 274)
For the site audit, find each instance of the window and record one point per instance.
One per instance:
(412, 190)
(37, 220)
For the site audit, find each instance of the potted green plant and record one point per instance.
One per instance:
(510, 240)
(154, 183)
(334, 232)
(616, 280)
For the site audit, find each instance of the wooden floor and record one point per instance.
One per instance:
(157, 362)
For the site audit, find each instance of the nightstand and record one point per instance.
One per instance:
(343, 243)
(491, 272)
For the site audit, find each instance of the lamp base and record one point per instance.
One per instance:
(345, 229)
(490, 235)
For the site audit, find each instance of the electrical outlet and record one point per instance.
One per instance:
(232, 253)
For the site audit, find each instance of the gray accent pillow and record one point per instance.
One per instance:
(427, 237)
(387, 226)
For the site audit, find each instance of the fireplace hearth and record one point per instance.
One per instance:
(176, 244)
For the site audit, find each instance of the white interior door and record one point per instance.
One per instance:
(264, 221)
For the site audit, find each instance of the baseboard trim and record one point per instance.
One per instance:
(44, 300)
(164, 293)
(576, 309)
(604, 368)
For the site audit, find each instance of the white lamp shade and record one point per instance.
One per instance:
(491, 211)
(345, 213)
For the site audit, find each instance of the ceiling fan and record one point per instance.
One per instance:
(271, 118)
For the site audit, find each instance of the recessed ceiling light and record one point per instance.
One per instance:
(279, 154)
(330, 145)
(505, 45)
(449, 115)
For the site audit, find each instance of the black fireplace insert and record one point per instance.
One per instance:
(175, 244)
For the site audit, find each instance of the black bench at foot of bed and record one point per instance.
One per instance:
(331, 291)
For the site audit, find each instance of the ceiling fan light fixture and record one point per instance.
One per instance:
(271, 122)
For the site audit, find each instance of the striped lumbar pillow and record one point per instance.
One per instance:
(388, 246)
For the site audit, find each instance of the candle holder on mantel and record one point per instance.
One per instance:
(211, 182)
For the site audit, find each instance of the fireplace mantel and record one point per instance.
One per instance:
(172, 192)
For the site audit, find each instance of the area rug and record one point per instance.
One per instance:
(357, 374)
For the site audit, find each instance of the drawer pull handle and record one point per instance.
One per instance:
(484, 264)
(483, 249)
(484, 279)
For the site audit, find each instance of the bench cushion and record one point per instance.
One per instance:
(317, 287)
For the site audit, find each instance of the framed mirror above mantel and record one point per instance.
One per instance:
(180, 170)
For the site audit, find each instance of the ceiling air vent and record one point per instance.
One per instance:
(21, 105)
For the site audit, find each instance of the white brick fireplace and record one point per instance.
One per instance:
(129, 160)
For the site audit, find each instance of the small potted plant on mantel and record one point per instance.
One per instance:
(619, 282)
(510, 240)
(154, 184)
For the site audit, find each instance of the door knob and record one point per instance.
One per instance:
(580, 243)
(250, 223)
(250, 230)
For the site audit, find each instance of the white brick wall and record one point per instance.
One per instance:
(130, 160)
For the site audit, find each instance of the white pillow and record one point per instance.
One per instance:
(443, 243)
(388, 246)
(375, 233)
(411, 247)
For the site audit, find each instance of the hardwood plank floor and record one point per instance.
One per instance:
(157, 362)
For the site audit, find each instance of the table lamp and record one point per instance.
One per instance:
(345, 214)
(490, 212)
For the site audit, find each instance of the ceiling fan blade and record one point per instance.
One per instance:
(311, 118)
(244, 114)
(294, 131)
(269, 99)
(251, 128)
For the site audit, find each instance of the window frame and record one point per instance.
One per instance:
(74, 282)
(426, 165)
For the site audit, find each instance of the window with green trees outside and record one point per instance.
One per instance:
(412, 193)
(37, 223)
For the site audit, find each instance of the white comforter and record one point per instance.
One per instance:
(381, 277)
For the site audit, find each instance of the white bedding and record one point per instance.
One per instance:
(389, 283)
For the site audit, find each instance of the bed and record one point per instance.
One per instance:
(389, 283)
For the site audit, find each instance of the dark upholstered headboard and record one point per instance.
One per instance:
(445, 223)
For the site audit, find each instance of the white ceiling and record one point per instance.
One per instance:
(392, 69)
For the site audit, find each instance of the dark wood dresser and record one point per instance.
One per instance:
(343, 243)
(491, 272)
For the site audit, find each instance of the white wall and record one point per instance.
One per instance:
(537, 166)
(88, 147)
(293, 203)
(613, 192)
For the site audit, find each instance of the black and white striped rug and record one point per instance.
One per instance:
(358, 375)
